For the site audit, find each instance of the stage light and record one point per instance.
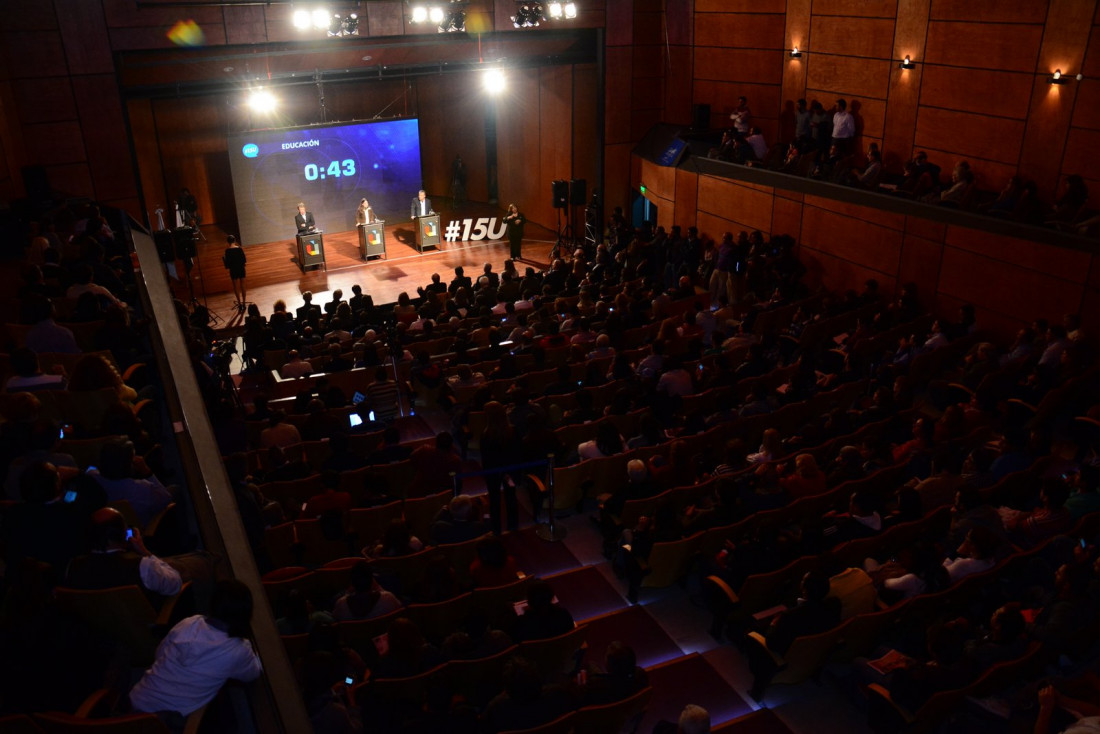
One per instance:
(555, 10)
(528, 15)
(454, 22)
(435, 15)
(320, 18)
(335, 25)
(419, 14)
(261, 100)
(351, 25)
(301, 19)
(494, 81)
(570, 10)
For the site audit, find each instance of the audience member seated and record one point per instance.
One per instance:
(279, 432)
(526, 701)
(459, 521)
(542, 617)
(407, 652)
(295, 366)
(119, 558)
(434, 464)
(620, 677)
(494, 565)
(397, 541)
(976, 554)
(28, 375)
(125, 476)
(366, 598)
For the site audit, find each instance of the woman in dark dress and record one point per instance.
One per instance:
(234, 261)
(514, 222)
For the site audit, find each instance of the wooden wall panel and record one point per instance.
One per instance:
(617, 74)
(661, 180)
(899, 125)
(1088, 102)
(838, 274)
(750, 208)
(246, 24)
(142, 37)
(586, 158)
(1083, 156)
(679, 22)
(925, 228)
(648, 28)
(104, 132)
(73, 179)
(1006, 288)
(977, 136)
(452, 122)
(865, 37)
(848, 77)
(620, 22)
(1047, 129)
(677, 87)
(687, 199)
(786, 217)
(713, 227)
(889, 220)
(739, 6)
(990, 11)
(981, 91)
(1066, 35)
(143, 125)
(858, 8)
(1067, 265)
(920, 264)
(84, 34)
(34, 54)
(54, 143)
(989, 175)
(796, 33)
(33, 15)
(738, 65)
(617, 177)
(984, 46)
(44, 100)
(384, 18)
(862, 243)
(722, 97)
(746, 30)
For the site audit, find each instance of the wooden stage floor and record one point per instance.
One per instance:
(273, 273)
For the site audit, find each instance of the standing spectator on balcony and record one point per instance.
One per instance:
(742, 116)
(803, 132)
(821, 127)
(844, 127)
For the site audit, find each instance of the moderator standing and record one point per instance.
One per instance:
(514, 222)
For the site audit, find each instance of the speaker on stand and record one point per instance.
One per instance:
(559, 199)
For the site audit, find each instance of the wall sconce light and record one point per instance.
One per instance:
(796, 53)
(1057, 78)
(907, 63)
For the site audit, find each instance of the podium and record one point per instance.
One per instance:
(372, 239)
(427, 232)
(311, 250)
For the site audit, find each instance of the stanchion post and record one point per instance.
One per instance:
(550, 530)
(456, 484)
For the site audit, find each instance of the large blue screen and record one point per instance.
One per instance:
(329, 168)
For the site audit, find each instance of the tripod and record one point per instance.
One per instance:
(190, 259)
(565, 237)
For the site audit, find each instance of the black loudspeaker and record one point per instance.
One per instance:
(37, 183)
(700, 117)
(184, 240)
(166, 249)
(559, 190)
(578, 192)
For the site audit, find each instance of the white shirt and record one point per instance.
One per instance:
(844, 125)
(962, 567)
(192, 664)
(156, 575)
(908, 586)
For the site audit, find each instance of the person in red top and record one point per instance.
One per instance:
(434, 465)
(494, 566)
(806, 480)
(331, 500)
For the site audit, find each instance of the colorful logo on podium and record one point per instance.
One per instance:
(372, 238)
(312, 250)
(429, 229)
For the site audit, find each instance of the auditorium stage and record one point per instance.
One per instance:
(272, 270)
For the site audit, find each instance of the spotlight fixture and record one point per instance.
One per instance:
(453, 22)
(335, 24)
(1057, 77)
(795, 53)
(555, 10)
(494, 81)
(907, 63)
(419, 14)
(261, 100)
(351, 25)
(570, 10)
(320, 18)
(528, 15)
(301, 19)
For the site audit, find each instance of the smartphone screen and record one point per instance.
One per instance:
(70, 496)
(348, 680)
(354, 420)
(129, 533)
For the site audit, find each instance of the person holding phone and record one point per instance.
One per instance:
(514, 222)
(119, 558)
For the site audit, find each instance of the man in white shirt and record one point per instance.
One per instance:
(975, 554)
(844, 127)
(742, 116)
(296, 367)
(199, 655)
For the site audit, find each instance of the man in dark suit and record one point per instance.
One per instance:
(304, 220)
(307, 313)
(421, 205)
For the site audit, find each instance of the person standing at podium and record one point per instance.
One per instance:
(513, 223)
(364, 214)
(304, 220)
(421, 205)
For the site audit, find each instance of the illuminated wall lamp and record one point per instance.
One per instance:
(1059, 78)
(796, 53)
(907, 63)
